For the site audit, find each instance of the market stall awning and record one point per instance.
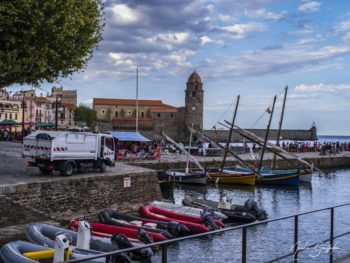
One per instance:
(46, 124)
(9, 123)
(129, 136)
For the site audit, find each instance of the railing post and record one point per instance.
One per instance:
(331, 240)
(296, 242)
(164, 253)
(244, 245)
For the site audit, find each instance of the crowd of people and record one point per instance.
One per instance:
(325, 148)
(8, 135)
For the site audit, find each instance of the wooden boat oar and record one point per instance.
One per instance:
(240, 160)
(273, 146)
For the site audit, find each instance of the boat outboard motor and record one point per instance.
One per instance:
(61, 249)
(207, 218)
(84, 235)
(177, 229)
(144, 237)
(120, 241)
(252, 206)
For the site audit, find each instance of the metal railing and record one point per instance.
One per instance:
(164, 244)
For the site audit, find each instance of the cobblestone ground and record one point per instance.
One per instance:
(14, 169)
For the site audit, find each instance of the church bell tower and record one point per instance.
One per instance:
(194, 102)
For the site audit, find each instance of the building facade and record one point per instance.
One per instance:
(154, 116)
(39, 109)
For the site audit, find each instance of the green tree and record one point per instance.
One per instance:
(46, 40)
(84, 113)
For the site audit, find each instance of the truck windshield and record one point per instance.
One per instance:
(109, 143)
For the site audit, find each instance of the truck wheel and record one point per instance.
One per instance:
(68, 169)
(44, 170)
(102, 166)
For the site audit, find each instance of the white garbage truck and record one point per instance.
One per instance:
(68, 151)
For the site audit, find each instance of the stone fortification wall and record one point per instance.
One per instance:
(299, 135)
(86, 194)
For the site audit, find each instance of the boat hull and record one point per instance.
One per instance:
(235, 178)
(182, 177)
(278, 179)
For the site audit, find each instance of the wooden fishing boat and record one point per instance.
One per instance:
(285, 178)
(231, 177)
(248, 212)
(194, 223)
(269, 177)
(103, 230)
(191, 177)
(305, 175)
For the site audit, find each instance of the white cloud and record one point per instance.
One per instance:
(227, 18)
(124, 15)
(239, 31)
(343, 26)
(288, 58)
(347, 37)
(203, 40)
(268, 15)
(323, 88)
(309, 7)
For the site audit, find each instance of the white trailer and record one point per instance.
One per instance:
(66, 151)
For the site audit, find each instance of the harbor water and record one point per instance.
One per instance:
(271, 240)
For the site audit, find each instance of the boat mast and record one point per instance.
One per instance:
(137, 99)
(189, 150)
(184, 151)
(229, 135)
(267, 133)
(280, 125)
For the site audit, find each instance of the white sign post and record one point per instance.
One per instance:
(127, 182)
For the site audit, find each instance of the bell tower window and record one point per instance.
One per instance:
(193, 94)
(193, 108)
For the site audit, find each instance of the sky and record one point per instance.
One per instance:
(254, 48)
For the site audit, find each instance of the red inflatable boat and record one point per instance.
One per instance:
(102, 230)
(192, 222)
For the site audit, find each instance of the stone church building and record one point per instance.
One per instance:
(154, 115)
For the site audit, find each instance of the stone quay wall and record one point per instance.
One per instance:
(61, 198)
(321, 162)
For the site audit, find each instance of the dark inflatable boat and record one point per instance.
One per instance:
(169, 230)
(45, 235)
(249, 212)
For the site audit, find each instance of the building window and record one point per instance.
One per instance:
(196, 86)
(129, 112)
(16, 116)
(142, 114)
(193, 108)
(103, 111)
(171, 115)
(158, 115)
(116, 114)
(193, 94)
(10, 116)
(5, 116)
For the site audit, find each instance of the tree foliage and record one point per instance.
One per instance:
(46, 40)
(85, 114)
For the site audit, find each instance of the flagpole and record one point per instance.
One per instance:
(137, 99)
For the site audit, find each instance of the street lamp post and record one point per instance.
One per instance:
(56, 114)
(23, 106)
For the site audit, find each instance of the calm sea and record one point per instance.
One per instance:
(269, 241)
